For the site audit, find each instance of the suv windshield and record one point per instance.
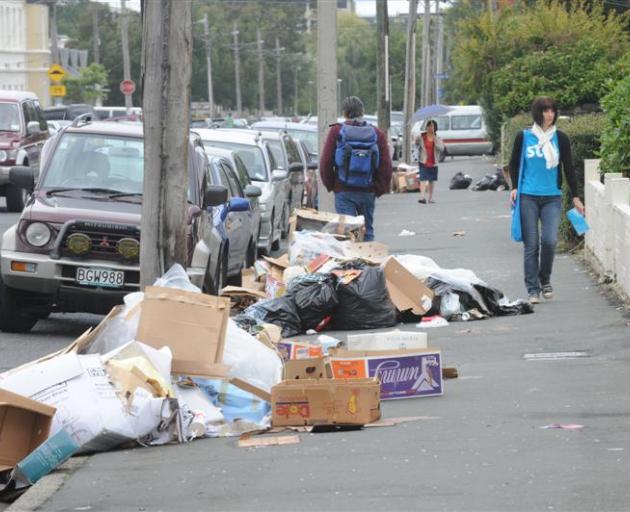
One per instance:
(9, 117)
(251, 156)
(92, 161)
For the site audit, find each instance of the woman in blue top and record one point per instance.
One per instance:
(545, 153)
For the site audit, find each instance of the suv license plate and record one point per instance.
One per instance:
(100, 277)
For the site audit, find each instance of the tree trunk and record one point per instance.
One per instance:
(166, 76)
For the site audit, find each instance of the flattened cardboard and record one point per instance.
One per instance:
(313, 368)
(406, 291)
(192, 325)
(325, 402)
(372, 252)
(392, 340)
(402, 373)
(24, 425)
(298, 350)
(315, 220)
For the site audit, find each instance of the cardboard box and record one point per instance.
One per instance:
(88, 407)
(24, 425)
(296, 350)
(412, 181)
(325, 402)
(392, 340)
(399, 182)
(406, 291)
(402, 373)
(342, 226)
(372, 252)
(192, 325)
(312, 368)
(274, 279)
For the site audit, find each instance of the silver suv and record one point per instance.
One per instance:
(76, 245)
(256, 154)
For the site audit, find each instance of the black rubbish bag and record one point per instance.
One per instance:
(364, 303)
(499, 305)
(281, 312)
(484, 183)
(460, 181)
(315, 298)
(246, 322)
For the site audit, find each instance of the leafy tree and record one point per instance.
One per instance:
(615, 149)
(570, 53)
(88, 86)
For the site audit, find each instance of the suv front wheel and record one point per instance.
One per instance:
(16, 197)
(13, 316)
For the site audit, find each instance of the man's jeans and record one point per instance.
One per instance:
(357, 203)
(539, 248)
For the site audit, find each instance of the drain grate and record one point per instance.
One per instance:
(552, 356)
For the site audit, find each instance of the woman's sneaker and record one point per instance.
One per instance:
(534, 298)
(547, 291)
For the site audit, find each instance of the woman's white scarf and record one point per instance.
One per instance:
(549, 151)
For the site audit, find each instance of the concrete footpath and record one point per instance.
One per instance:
(482, 449)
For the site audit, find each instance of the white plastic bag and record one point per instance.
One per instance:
(250, 360)
(449, 305)
(420, 266)
(308, 245)
(176, 277)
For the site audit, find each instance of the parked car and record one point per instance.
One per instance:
(256, 154)
(76, 245)
(103, 113)
(23, 132)
(242, 226)
(285, 156)
(56, 126)
(463, 131)
(308, 133)
(310, 177)
(69, 112)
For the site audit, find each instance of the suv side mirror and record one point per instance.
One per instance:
(22, 177)
(252, 191)
(239, 204)
(278, 175)
(296, 167)
(32, 128)
(312, 166)
(215, 195)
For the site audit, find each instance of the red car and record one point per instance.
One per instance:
(23, 131)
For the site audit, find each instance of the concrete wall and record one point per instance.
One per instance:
(607, 243)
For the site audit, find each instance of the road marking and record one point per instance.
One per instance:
(552, 356)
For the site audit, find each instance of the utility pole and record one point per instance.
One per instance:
(382, 62)
(206, 38)
(297, 69)
(426, 56)
(53, 32)
(326, 85)
(439, 58)
(166, 77)
(410, 81)
(237, 72)
(279, 77)
(96, 41)
(261, 73)
(125, 49)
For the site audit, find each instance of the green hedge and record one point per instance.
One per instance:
(584, 132)
(616, 137)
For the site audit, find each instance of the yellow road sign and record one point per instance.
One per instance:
(57, 90)
(56, 73)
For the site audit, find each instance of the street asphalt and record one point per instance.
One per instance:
(480, 446)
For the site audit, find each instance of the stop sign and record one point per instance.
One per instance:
(127, 87)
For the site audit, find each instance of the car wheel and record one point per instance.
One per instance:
(250, 259)
(13, 316)
(16, 197)
(286, 214)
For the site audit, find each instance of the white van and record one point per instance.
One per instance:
(463, 131)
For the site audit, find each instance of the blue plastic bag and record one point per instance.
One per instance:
(517, 231)
(578, 221)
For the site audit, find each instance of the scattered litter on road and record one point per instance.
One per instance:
(450, 373)
(459, 233)
(615, 449)
(247, 441)
(406, 232)
(562, 426)
(432, 321)
(552, 356)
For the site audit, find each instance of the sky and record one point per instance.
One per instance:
(364, 8)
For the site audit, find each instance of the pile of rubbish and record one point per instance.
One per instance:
(171, 364)
(494, 181)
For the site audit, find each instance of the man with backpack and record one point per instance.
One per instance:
(356, 165)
